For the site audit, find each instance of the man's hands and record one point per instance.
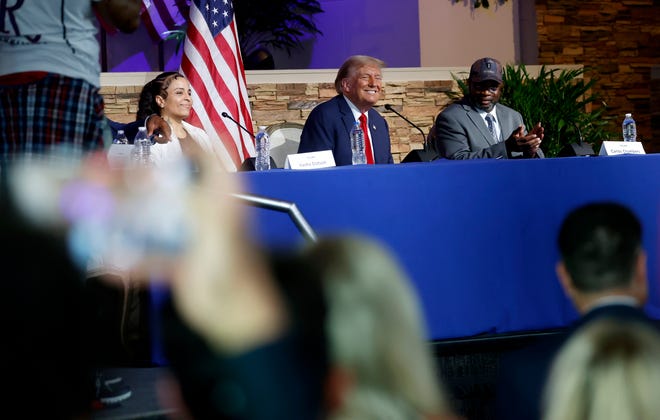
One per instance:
(527, 143)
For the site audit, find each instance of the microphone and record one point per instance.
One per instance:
(579, 133)
(225, 115)
(248, 164)
(389, 108)
(580, 148)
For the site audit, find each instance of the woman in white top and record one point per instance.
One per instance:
(169, 96)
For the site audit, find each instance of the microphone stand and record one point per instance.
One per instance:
(287, 207)
(248, 164)
(416, 155)
(225, 115)
(577, 149)
(390, 108)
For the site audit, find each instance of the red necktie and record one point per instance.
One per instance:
(367, 143)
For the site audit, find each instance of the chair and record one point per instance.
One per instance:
(284, 141)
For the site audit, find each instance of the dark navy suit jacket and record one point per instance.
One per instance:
(329, 125)
(523, 373)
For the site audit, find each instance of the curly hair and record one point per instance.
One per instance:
(157, 87)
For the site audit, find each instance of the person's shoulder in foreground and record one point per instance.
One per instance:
(478, 126)
(359, 86)
(609, 370)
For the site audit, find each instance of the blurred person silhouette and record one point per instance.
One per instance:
(33, 200)
(280, 376)
(381, 364)
(609, 370)
(45, 351)
(49, 73)
(603, 272)
(354, 346)
(243, 333)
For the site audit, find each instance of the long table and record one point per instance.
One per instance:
(478, 238)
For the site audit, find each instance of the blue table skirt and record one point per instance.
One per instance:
(478, 238)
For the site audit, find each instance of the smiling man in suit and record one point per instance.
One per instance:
(478, 127)
(359, 85)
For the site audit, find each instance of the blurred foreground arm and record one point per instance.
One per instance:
(222, 287)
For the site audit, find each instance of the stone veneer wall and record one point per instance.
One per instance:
(419, 101)
(619, 43)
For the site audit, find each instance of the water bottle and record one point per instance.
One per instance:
(262, 161)
(357, 145)
(142, 148)
(121, 138)
(629, 128)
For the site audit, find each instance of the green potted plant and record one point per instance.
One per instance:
(559, 99)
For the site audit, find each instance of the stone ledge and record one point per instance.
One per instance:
(260, 77)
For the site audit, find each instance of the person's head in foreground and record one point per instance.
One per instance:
(602, 255)
(610, 370)
(381, 366)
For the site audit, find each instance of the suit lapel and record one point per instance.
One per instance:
(346, 115)
(506, 123)
(479, 124)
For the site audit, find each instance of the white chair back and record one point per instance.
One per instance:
(284, 140)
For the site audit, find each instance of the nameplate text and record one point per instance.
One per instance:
(310, 160)
(611, 148)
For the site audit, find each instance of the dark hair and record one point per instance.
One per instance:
(599, 244)
(158, 86)
(352, 64)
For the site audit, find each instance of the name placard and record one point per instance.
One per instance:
(310, 160)
(611, 148)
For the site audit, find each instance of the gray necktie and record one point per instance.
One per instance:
(490, 120)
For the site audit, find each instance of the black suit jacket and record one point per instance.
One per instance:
(523, 373)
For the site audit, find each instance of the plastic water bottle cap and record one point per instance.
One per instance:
(628, 115)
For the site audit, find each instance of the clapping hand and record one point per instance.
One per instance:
(528, 143)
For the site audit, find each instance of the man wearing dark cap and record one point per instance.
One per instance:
(478, 127)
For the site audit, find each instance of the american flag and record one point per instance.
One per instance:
(162, 16)
(212, 63)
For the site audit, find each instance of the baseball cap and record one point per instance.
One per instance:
(486, 69)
